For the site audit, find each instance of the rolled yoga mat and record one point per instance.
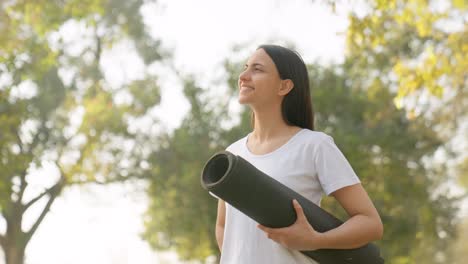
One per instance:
(269, 202)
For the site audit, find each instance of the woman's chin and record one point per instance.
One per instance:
(243, 100)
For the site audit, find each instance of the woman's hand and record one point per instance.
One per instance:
(298, 236)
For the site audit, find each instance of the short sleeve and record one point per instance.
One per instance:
(333, 170)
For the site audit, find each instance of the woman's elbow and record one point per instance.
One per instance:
(379, 230)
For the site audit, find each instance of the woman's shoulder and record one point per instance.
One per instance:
(237, 145)
(314, 136)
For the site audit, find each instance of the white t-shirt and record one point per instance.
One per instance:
(309, 163)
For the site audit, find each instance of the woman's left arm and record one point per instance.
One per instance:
(363, 226)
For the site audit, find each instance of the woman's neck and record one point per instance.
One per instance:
(269, 124)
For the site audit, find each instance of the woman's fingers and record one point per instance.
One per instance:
(299, 211)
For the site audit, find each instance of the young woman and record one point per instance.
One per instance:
(275, 85)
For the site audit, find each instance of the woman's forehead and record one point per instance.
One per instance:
(260, 57)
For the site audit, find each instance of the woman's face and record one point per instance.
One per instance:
(259, 83)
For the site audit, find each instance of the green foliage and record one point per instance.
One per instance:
(419, 49)
(74, 123)
(460, 247)
(408, 45)
(386, 151)
(463, 172)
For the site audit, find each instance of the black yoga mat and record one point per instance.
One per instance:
(269, 202)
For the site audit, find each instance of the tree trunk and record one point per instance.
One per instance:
(14, 254)
(13, 243)
(15, 240)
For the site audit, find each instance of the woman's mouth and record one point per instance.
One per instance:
(244, 89)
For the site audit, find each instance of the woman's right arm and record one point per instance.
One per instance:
(220, 223)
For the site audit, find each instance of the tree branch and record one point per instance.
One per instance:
(31, 147)
(23, 185)
(109, 181)
(53, 193)
(20, 142)
(98, 46)
(56, 187)
(50, 190)
(36, 138)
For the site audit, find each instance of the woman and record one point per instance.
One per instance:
(283, 145)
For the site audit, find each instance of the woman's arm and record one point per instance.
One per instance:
(363, 226)
(220, 220)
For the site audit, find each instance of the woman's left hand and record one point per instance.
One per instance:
(298, 236)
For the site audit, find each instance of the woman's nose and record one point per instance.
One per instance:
(244, 75)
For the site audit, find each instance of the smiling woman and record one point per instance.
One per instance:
(283, 145)
(269, 67)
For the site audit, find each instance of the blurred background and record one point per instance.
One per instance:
(110, 108)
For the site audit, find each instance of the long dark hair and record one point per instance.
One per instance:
(296, 106)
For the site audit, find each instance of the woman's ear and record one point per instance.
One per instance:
(286, 86)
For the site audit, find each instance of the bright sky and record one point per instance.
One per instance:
(101, 224)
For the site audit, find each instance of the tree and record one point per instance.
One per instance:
(418, 49)
(386, 150)
(57, 108)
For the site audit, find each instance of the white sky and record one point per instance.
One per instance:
(101, 224)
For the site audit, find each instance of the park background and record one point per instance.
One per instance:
(110, 108)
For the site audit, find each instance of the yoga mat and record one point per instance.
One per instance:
(269, 202)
